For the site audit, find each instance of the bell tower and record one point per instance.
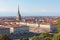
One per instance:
(18, 17)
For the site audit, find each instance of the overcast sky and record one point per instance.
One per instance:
(30, 7)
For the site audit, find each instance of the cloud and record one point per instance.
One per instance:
(4, 9)
(7, 7)
(40, 10)
(28, 10)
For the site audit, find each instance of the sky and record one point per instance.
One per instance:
(30, 7)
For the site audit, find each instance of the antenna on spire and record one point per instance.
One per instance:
(18, 6)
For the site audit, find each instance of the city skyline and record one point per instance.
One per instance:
(30, 7)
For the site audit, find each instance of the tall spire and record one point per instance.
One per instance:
(18, 14)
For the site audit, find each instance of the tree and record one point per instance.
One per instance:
(58, 24)
(24, 38)
(4, 37)
(45, 36)
(42, 36)
(35, 38)
(56, 36)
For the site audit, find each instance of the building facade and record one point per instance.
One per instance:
(5, 31)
